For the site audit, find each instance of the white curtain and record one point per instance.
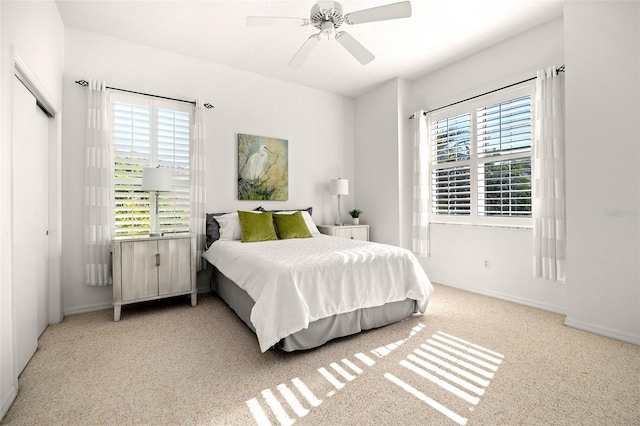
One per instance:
(549, 219)
(197, 183)
(421, 191)
(97, 189)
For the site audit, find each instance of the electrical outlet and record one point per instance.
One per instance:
(487, 264)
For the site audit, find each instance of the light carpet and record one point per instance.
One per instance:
(470, 359)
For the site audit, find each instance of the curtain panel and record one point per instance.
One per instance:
(97, 227)
(420, 232)
(549, 217)
(197, 188)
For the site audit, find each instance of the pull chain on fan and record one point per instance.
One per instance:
(327, 17)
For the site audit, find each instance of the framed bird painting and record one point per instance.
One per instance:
(263, 168)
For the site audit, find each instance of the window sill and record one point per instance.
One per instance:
(484, 225)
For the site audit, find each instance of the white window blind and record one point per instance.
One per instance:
(452, 138)
(505, 128)
(451, 172)
(173, 152)
(481, 159)
(149, 133)
(504, 158)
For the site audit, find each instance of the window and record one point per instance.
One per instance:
(149, 133)
(481, 160)
(451, 156)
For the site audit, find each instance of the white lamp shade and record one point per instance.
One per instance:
(340, 186)
(157, 179)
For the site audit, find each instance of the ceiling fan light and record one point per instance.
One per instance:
(327, 28)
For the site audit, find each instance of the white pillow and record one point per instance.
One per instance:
(229, 226)
(310, 224)
(307, 220)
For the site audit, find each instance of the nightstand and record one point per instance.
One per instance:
(150, 268)
(354, 232)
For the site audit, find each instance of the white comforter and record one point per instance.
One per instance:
(297, 281)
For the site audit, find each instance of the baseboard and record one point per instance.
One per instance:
(87, 308)
(603, 331)
(510, 298)
(7, 400)
(528, 302)
(102, 306)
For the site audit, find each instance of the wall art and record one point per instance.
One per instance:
(263, 168)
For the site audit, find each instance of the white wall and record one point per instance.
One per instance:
(383, 153)
(603, 177)
(405, 160)
(317, 124)
(513, 60)
(377, 165)
(36, 32)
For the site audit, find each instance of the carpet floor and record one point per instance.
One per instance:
(470, 359)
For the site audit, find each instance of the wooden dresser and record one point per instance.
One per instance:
(149, 268)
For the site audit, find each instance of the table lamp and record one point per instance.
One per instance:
(156, 180)
(339, 187)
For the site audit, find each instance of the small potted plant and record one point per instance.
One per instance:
(355, 216)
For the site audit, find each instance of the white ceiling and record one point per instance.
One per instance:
(439, 32)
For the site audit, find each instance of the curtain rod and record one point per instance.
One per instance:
(424, 113)
(85, 83)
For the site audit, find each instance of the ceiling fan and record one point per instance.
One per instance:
(327, 16)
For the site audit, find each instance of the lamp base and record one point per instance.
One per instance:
(339, 215)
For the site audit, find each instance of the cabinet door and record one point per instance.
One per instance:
(174, 273)
(139, 270)
(342, 232)
(360, 233)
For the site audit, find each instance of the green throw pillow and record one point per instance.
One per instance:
(291, 226)
(256, 227)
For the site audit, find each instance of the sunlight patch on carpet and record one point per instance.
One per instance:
(421, 396)
(452, 364)
(287, 404)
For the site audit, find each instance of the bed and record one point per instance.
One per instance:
(298, 293)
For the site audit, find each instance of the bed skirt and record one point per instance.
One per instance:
(320, 331)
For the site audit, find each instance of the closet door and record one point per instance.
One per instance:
(40, 176)
(30, 219)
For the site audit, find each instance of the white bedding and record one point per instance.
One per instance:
(297, 281)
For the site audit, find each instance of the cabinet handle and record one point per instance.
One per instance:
(157, 259)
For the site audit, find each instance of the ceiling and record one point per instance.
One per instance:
(438, 33)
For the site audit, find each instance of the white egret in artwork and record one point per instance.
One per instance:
(255, 165)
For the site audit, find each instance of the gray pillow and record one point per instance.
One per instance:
(213, 227)
(308, 209)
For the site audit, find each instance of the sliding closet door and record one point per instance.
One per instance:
(30, 220)
(40, 201)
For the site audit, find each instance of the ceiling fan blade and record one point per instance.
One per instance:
(275, 20)
(380, 13)
(355, 48)
(304, 51)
